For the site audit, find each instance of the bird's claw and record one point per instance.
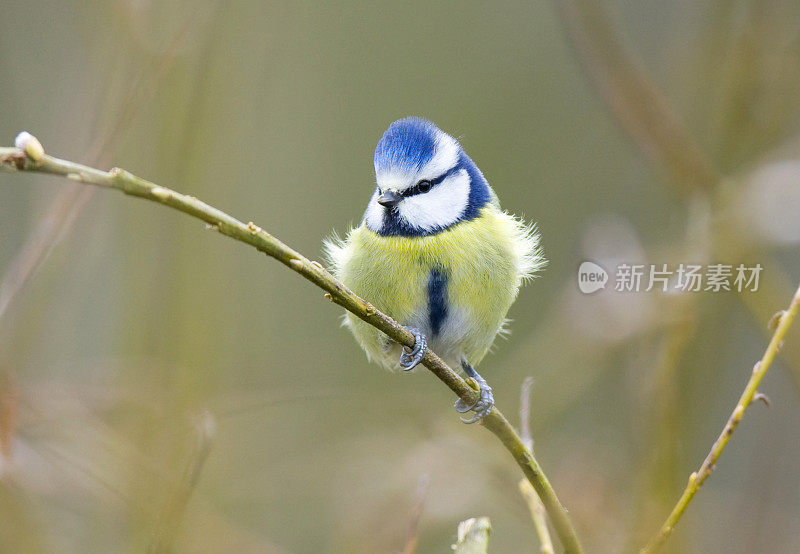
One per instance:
(482, 406)
(410, 358)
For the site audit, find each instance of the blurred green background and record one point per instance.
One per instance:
(145, 352)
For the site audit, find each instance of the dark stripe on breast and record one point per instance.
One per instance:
(437, 299)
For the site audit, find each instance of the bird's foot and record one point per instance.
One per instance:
(410, 358)
(485, 402)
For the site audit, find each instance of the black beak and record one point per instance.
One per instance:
(390, 199)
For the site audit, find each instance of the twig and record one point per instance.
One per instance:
(538, 515)
(525, 412)
(660, 474)
(473, 536)
(637, 104)
(535, 506)
(170, 520)
(33, 160)
(697, 478)
(643, 113)
(67, 206)
(412, 539)
(9, 412)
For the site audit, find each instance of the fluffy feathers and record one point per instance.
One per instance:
(445, 260)
(485, 261)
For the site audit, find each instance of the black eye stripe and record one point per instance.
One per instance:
(420, 188)
(415, 190)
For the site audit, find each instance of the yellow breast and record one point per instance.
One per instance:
(484, 261)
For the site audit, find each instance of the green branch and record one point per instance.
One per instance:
(533, 501)
(696, 479)
(30, 157)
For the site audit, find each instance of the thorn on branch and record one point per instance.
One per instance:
(775, 320)
(763, 397)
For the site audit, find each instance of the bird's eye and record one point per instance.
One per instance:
(424, 186)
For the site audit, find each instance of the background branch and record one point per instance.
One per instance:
(33, 159)
(63, 209)
(642, 111)
(637, 104)
(697, 478)
(169, 524)
(535, 506)
(644, 114)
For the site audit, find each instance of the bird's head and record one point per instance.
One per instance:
(425, 181)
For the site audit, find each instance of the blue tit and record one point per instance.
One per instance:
(435, 252)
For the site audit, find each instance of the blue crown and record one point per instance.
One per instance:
(407, 144)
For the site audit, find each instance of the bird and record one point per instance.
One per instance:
(436, 252)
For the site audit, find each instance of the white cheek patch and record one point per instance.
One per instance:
(440, 207)
(374, 214)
